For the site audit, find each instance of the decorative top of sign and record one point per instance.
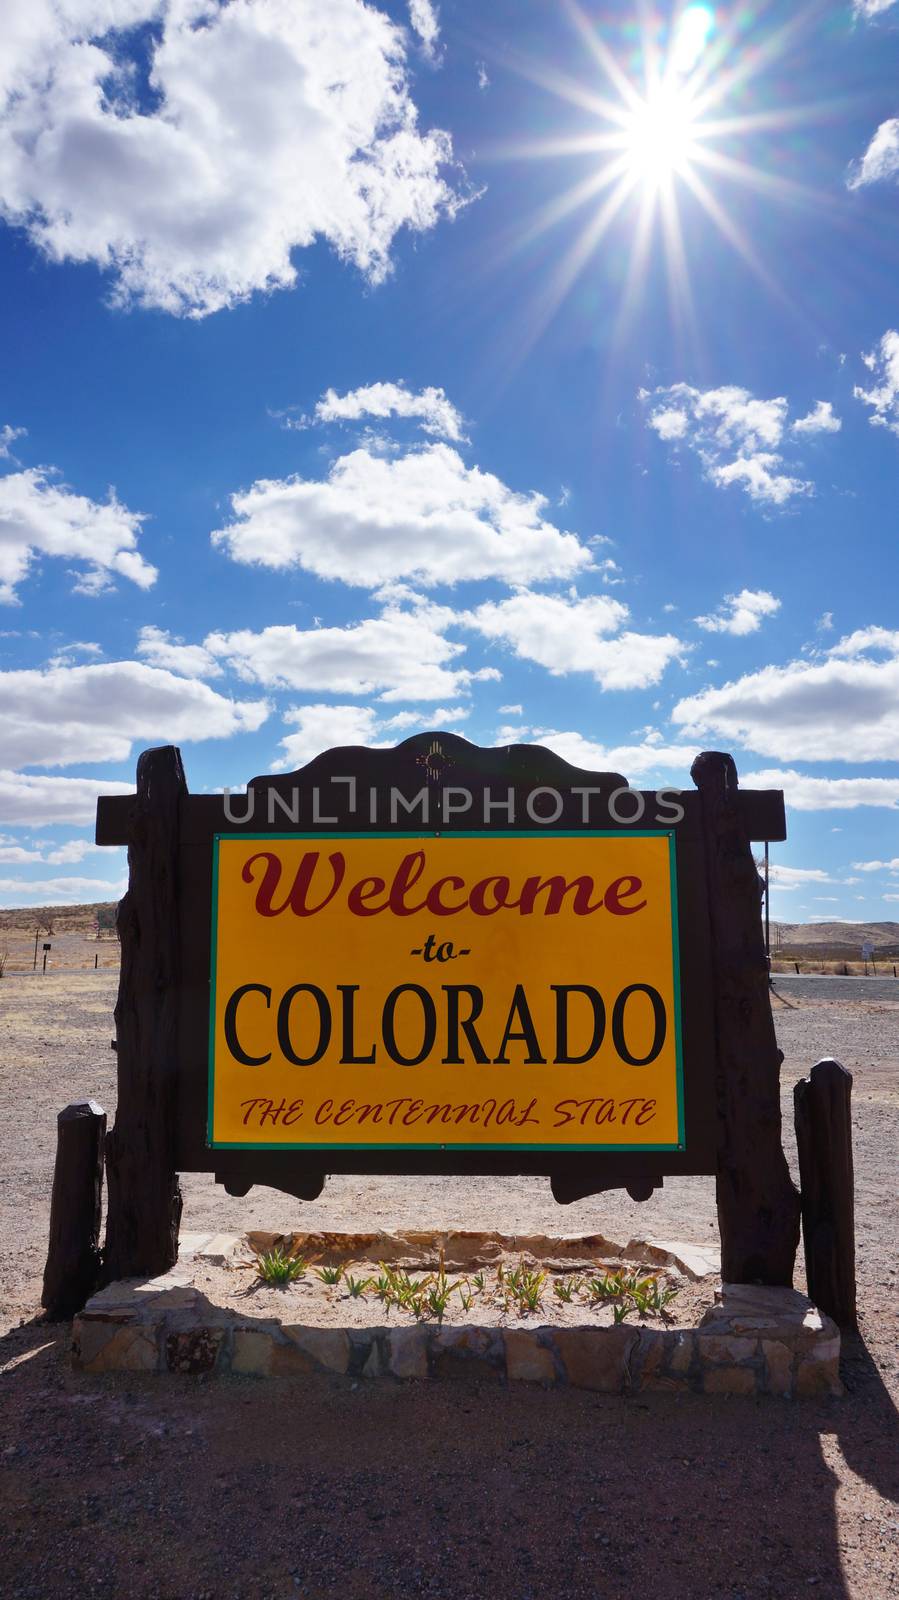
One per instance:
(440, 780)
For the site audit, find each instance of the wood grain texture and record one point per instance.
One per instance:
(144, 1195)
(823, 1110)
(758, 1205)
(73, 1255)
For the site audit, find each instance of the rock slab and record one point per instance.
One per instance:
(752, 1341)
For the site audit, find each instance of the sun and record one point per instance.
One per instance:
(662, 130)
(661, 136)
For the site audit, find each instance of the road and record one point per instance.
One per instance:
(824, 986)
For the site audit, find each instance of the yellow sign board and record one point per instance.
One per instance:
(437, 991)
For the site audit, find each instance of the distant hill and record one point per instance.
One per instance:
(64, 919)
(841, 937)
(835, 935)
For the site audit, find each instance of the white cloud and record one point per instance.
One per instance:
(40, 517)
(29, 800)
(424, 516)
(632, 760)
(740, 613)
(762, 481)
(729, 417)
(400, 655)
(880, 160)
(883, 398)
(794, 877)
(842, 708)
(425, 20)
(326, 727)
(437, 414)
(62, 855)
(68, 653)
(57, 891)
(434, 717)
(877, 866)
(97, 713)
(825, 794)
(72, 850)
(820, 420)
(736, 436)
(8, 437)
(158, 647)
(864, 639)
(266, 125)
(14, 855)
(571, 635)
(670, 423)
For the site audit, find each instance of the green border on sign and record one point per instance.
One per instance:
(459, 833)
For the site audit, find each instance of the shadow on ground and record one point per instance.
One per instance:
(221, 1487)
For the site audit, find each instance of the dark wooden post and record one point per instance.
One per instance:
(144, 1205)
(758, 1206)
(73, 1255)
(822, 1103)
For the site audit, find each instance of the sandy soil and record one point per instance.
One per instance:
(317, 1305)
(323, 1487)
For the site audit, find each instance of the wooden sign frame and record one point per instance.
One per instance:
(731, 1079)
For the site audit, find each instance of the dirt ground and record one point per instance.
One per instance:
(69, 949)
(190, 1488)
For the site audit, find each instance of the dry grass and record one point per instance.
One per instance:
(880, 967)
(71, 932)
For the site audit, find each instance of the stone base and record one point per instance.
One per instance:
(752, 1341)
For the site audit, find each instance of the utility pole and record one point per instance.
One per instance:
(767, 916)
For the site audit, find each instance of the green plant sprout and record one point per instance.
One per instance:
(656, 1299)
(529, 1290)
(277, 1267)
(518, 1288)
(356, 1286)
(383, 1287)
(606, 1286)
(438, 1290)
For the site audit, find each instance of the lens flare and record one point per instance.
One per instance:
(692, 33)
(665, 128)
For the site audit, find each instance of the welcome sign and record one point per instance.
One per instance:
(436, 991)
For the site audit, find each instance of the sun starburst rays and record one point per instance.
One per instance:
(662, 132)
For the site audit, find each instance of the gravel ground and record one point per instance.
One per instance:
(185, 1488)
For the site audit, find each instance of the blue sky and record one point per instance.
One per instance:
(530, 370)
